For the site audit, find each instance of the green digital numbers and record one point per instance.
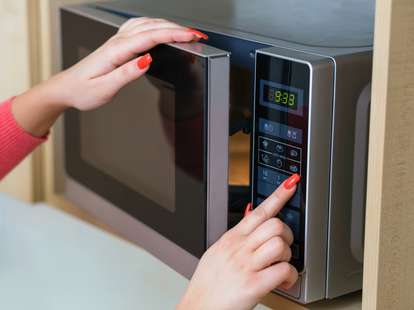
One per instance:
(278, 96)
(285, 97)
(282, 97)
(292, 100)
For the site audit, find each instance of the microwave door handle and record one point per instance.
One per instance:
(360, 173)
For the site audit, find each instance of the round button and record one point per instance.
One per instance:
(280, 149)
(279, 163)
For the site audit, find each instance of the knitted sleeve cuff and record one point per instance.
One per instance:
(15, 142)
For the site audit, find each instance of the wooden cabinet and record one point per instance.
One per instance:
(389, 250)
(389, 235)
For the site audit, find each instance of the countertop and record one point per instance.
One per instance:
(51, 260)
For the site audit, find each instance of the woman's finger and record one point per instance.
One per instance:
(270, 207)
(282, 275)
(273, 251)
(113, 81)
(133, 22)
(122, 50)
(151, 25)
(271, 228)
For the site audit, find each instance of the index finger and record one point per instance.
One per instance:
(270, 207)
(144, 41)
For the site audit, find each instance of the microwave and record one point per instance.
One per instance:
(171, 162)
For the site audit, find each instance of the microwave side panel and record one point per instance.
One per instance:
(353, 73)
(317, 198)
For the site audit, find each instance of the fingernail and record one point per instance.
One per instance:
(198, 34)
(291, 181)
(248, 209)
(144, 61)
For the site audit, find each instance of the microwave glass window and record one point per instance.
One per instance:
(145, 151)
(146, 164)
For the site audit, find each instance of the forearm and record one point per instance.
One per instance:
(15, 142)
(37, 109)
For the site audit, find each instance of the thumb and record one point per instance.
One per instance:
(125, 74)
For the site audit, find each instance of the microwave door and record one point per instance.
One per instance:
(154, 160)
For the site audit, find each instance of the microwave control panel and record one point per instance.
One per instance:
(280, 139)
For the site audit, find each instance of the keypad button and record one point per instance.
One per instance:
(265, 189)
(279, 163)
(292, 219)
(265, 158)
(293, 167)
(266, 144)
(271, 176)
(295, 200)
(279, 130)
(293, 153)
(280, 149)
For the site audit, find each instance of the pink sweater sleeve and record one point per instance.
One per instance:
(15, 142)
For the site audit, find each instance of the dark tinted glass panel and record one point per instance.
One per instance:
(145, 163)
(281, 130)
(145, 150)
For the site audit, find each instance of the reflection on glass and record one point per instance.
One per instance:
(145, 163)
(239, 159)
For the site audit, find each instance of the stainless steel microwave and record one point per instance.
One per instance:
(171, 162)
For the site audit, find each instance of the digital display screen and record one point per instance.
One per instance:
(280, 96)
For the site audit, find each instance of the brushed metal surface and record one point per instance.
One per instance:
(341, 23)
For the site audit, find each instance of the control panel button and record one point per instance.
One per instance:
(292, 219)
(271, 176)
(295, 200)
(274, 179)
(265, 189)
(266, 144)
(265, 158)
(280, 130)
(280, 148)
(280, 163)
(293, 153)
(293, 167)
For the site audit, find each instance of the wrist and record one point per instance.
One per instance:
(38, 108)
(57, 92)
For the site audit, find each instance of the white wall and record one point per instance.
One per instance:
(14, 78)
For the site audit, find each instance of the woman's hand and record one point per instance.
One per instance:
(248, 262)
(97, 78)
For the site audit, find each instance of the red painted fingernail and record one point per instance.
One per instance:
(144, 61)
(198, 34)
(248, 209)
(291, 181)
